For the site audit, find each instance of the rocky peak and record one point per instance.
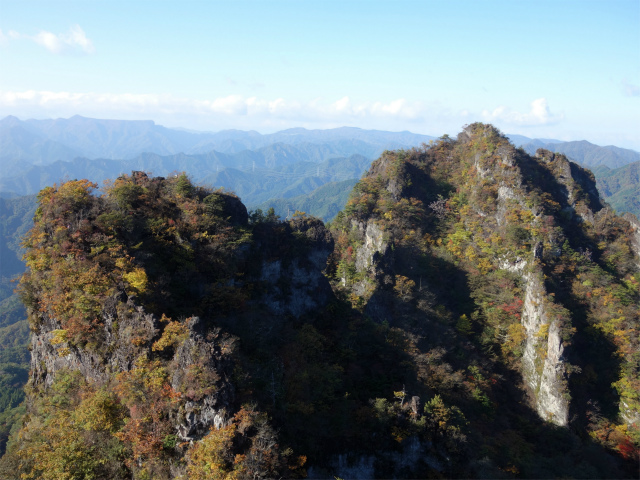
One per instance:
(135, 296)
(489, 208)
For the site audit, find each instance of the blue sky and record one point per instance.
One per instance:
(556, 69)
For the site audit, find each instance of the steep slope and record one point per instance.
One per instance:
(515, 252)
(126, 295)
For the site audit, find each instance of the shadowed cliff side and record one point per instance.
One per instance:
(477, 247)
(126, 294)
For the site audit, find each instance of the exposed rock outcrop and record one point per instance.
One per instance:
(293, 281)
(635, 225)
(128, 333)
(197, 415)
(543, 360)
(122, 322)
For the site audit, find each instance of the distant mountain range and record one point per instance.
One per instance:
(45, 141)
(285, 165)
(41, 142)
(273, 171)
(585, 153)
(36, 153)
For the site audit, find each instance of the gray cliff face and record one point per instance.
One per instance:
(374, 244)
(296, 285)
(635, 244)
(124, 325)
(394, 184)
(577, 185)
(371, 257)
(293, 289)
(543, 365)
(200, 412)
(630, 415)
(374, 267)
(128, 332)
(543, 361)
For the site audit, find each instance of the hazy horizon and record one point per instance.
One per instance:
(568, 70)
(268, 132)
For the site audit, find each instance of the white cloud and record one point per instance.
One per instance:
(49, 41)
(342, 105)
(232, 111)
(231, 105)
(77, 38)
(537, 116)
(73, 40)
(272, 114)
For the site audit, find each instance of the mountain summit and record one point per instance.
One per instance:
(472, 312)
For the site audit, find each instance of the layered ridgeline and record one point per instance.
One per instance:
(477, 317)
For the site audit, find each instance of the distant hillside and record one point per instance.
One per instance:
(19, 145)
(95, 138)
(587, 154)
(520, 140)
(349, 138)
(274, 171)
(15, 220)
(621, 187)
(256, 187)
(324, 202)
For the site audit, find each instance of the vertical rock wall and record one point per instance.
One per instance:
(542, 362)
(128, 333)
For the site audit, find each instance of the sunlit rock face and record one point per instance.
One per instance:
(543, 361)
